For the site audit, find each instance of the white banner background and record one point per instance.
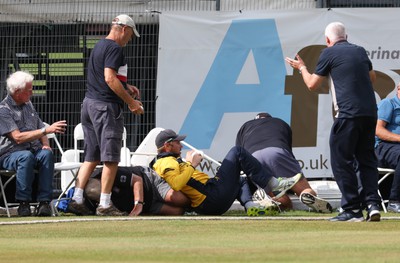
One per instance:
(192, 44)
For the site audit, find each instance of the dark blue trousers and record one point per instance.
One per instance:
(388, 154)
(352, 142)
(227, 185)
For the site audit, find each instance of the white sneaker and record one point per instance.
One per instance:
(315, 203)
(262, 198)
(285, 184)
(265, 204)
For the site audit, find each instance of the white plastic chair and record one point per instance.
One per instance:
(147, 149)
(68, 166)
(78, 136)
(125, 152)
(386, 173)
(125, 157)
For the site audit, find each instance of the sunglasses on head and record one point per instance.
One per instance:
(170, 139)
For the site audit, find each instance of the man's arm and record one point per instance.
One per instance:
(384, 134)
(137, 184)
(115, 85)
(28, 136)
(312, 81)
(177, 175)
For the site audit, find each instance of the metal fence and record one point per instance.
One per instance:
(53, 39)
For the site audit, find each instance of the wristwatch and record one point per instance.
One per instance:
(43, 130)
(139, 202)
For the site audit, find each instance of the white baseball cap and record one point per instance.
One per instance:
(126, 20)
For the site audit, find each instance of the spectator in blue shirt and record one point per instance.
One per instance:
(387, 147)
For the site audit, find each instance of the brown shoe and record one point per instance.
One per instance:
(79, 209)
(109, 211)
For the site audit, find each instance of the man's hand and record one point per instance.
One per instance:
(57, 127)
(194, 158)
(137, 209)
(136, 107)
(295, 63)
(133, 91)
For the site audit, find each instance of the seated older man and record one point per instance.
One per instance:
(24, 146)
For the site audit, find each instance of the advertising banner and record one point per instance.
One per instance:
(217, 70)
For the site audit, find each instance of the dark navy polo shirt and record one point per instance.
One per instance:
(352, 91)
(262, 133)
(105, 54)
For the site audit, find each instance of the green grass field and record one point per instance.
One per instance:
(293, 237)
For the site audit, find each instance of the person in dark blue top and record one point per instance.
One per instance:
(353, 132)
(387, 146)
(102, 116)
(269, 140)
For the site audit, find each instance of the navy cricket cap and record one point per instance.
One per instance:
(168, 136)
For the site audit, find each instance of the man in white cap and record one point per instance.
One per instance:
(101, 115)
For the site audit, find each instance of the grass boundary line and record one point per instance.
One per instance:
(155, 218)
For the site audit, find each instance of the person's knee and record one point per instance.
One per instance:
(177, 198)
(26, 159)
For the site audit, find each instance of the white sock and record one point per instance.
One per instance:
(78, 195)
(105, 200)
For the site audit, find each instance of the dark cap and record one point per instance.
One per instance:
(262, 115)
(168, 136)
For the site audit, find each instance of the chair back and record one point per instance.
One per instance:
(78, 136)
(53, 137)
(147, 149)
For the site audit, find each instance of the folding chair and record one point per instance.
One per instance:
(78, 136)
(125, 152)
(68, 167)
(386, 173)
(11, 175)
(147, 149)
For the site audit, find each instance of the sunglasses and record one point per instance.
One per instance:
(170, 139)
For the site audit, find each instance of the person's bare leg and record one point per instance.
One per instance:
(108, 176)
(105, 207)
(84, 173)
(285, 202)
(303, 186)
(77, 205)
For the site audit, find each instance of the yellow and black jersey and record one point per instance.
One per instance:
(178, 173)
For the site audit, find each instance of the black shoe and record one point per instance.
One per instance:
(348, 216)
(373, 214)
(79, 209)
(44, 209)
(24, 209)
